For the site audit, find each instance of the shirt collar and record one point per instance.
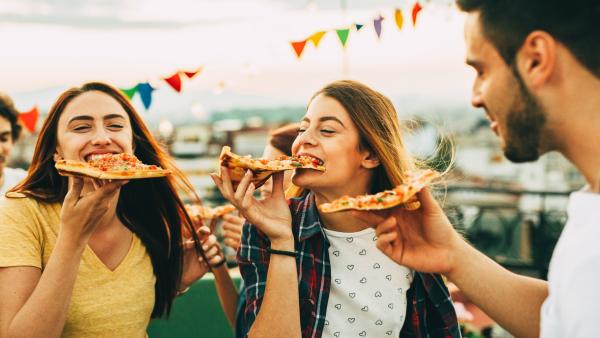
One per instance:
(310, 222)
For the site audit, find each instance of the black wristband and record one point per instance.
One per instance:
(282, 252)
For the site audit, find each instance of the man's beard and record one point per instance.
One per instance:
(524, 124)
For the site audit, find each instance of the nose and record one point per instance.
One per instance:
(306, 138)
(101, 137)
(476, 97)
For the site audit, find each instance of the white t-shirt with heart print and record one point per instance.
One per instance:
(368, 289)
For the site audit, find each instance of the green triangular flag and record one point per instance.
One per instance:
(129, 92)
(343, 35)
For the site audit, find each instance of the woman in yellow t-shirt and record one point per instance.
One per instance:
(89, 258)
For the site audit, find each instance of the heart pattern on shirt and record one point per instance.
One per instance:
(365, 308)
(362, 252)
(349, 239)
(338, 306)
(338, 281)
(379, 322)
(352, 294)
(391, 305)
(378, 294)
(336, 334)
(350, 267)
(388, 277)
(389, 333)
(336, 253)
(363, 333)
(351, 320)
(376, 266)
(363, 280)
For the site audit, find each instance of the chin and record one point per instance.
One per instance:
(307, 178)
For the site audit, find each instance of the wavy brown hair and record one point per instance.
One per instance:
(152, 208)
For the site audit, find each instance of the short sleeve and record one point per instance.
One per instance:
(20, 236)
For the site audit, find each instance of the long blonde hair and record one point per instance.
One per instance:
(379, 132)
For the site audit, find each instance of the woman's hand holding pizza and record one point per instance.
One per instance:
(421, 239)
(271, 215)
(194, 266)
(81, 214)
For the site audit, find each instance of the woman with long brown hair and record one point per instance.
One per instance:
(310, 274)
(81, 257)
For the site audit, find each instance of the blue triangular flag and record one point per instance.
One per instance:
(358, 26)
(145, 90)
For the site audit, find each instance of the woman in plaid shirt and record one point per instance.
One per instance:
(320, 275)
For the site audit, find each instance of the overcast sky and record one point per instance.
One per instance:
(242, 43)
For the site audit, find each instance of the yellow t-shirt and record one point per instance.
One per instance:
(105, 303)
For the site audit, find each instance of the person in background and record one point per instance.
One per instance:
(10, 130)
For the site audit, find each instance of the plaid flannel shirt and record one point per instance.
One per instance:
(430, 312)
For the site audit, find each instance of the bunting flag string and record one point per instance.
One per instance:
(145, 89)
(343, 33)
(29, 118)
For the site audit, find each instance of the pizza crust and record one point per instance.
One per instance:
(404, 194)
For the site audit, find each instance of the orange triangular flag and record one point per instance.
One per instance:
(316, 38)
(416, 9)
(194, 73)
(174, 81)
(29, 119)
(298, 47)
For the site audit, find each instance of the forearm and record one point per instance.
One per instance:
(279, 314)
(226, 291)
(45, 312)
(512, 300)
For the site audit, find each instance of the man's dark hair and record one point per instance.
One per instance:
(9, 112)
(575, 23)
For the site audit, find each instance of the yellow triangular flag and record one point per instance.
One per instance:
(399, 18)
(316, 38)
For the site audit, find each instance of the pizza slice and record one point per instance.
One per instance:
(262, 168)
(208, 212)
(121, 166)
(404, 194)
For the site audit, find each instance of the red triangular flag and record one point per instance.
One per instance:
(194, 73)
(29, 119)
(174, 81)
(416, 9)
(298, 47)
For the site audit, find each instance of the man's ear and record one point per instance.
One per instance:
(370, 160)
(536, 60)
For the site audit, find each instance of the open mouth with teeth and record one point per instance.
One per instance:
(96, 157)
(306, 158)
